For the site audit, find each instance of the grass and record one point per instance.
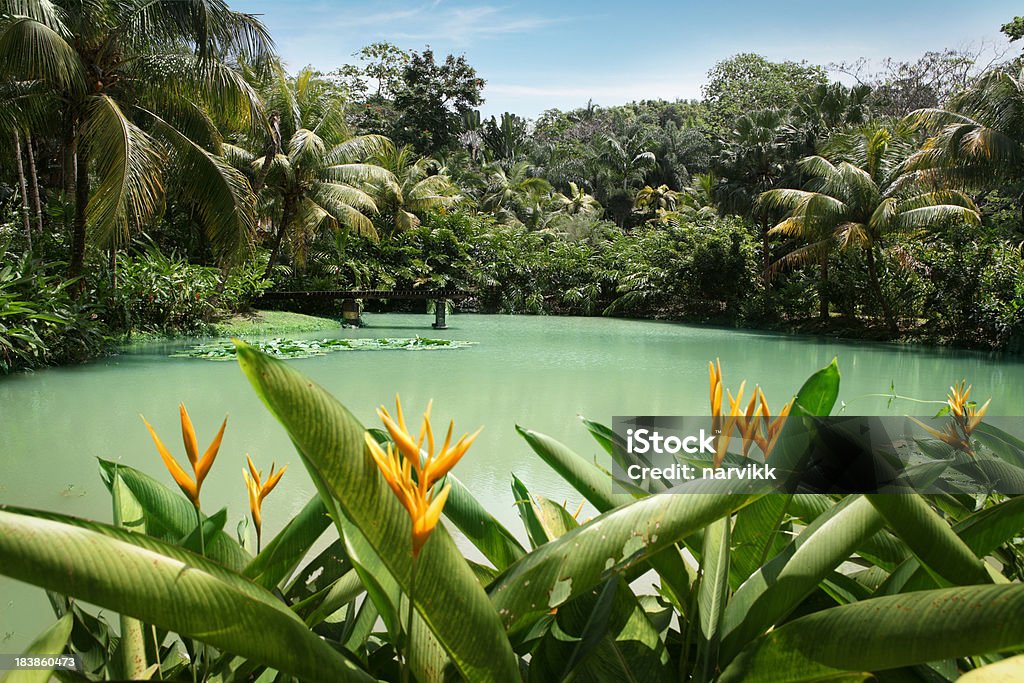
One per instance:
(257, 323)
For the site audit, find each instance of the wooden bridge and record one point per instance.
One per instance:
(351, 310)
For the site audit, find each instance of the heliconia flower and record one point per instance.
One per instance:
(969, 413)
(258, 490)
(401, 459)
(754, 422)
(190, 485)
(965, 418)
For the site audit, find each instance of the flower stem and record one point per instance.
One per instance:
(202, 541)
(407, 645)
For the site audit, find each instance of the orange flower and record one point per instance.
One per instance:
(754, 422)
(258, 490)
(191, 486)
(964, 419)
(402, 458)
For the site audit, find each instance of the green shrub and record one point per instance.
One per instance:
(40, 322)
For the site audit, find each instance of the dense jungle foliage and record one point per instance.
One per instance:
(159, 185)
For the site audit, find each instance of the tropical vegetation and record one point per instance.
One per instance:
(167, 170)
(743, 583)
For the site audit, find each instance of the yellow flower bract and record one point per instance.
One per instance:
(401, 459)
(190, 485)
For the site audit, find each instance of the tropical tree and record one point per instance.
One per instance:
(576, 202)
(759, 155)
(318, 178)
(656, 200)
(412, 187)
(862, 200)
(142, 86)
(978, 139)
(627, 159)
(515, 193)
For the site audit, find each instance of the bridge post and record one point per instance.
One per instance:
(440, 306)
(350, 312)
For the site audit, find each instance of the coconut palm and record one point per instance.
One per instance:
(515, 194)
(978, 139)
(862, 200)
(142, 86)
(577, 202)
(413, 187)
(628, 159)
(656, 200)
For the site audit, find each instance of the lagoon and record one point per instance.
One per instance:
(538, 372)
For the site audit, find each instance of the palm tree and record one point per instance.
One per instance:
(978, 139)
(628, 159)
(142, 86)
(656, 200)
(413, 187)
(577, 202)
(758, 156)
(862, 201)
(320, 178)
(515, 194)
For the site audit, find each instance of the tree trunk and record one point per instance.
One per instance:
(876, 285)
(270, 151)
(78, 229)
(286, 217)
(823, 290)
(33, 183)
(23, 186)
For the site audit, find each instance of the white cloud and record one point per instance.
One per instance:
(434, 21)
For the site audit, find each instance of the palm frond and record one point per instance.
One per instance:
(128, 165)
(359, 148)
(221, 194)
(45, 12)
(30, 50)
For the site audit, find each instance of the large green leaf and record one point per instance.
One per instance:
(52, 641)
(330, 440)
(604, 636)
(714, 589)
(930, 538)
(479, 526)
(595, 486)
(281, 556)
(886, 633)
(609, 544)
(171, 515)
(171, 588)
(774, 590)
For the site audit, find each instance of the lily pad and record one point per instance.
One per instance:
(305, 348)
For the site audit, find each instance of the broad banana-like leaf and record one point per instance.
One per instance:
(714, 589)
(171, 588)
(774, 590)
(281, 556)
(885, 633)
(331, 443)
(170, 515)
(610, 544)
(930, 538)
(52, 641)
(595, 486)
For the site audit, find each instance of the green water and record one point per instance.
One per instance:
(533, 371)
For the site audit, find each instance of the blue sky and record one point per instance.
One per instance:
(535, 54)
